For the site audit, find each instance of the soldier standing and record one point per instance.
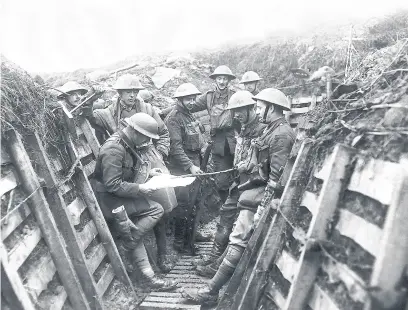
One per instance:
(271, 151)
(250, 80)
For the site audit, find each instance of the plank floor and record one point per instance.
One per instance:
(185, 274)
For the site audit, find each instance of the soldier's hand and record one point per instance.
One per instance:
(155, 171)
(98, 89)
(195, 170)
(242, 167)
(146, 190)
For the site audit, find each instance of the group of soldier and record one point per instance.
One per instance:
(249, 137)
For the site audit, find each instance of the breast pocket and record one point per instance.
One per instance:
(192, 137)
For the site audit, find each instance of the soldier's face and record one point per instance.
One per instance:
(139, 139)
(188, 101)
(74, 97)
(241, 114)
(261, 107)
(222, 81)
(128, 96)
(250, 86)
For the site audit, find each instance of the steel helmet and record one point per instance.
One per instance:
(241, 98)
(71, 86)
(145, 124)
(250, 76)
(186, 89)
(222, 70)
(128, 81)
(146, 95)
(274, 96)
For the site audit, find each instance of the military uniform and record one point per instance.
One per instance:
(186, 144)
(107, 120)
(222, 133)
(115, 171)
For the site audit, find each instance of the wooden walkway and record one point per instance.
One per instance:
(184, 273)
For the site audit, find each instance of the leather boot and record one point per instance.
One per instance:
(200, 237)
(160, 234)
(163, 264)
(210, 270)
(203, 296)
(162, 285)
(216, 251)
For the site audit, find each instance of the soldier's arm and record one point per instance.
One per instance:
(201, 103)
(176, 145)
(112, 174)
(163, 144)
(279, 151)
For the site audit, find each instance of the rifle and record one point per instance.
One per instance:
(195, 214)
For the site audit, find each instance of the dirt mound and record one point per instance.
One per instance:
(26, 105)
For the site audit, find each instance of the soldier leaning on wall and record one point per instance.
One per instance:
(186, 146)
(109, 120)
(222, 126)
(251, 79)
(121, 196)
(243, 108)
(271, 151)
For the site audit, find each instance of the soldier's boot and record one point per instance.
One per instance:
(210, 270)
(141, 261)
(223, 274)
(160, 234)
(219, 245)
(179, 228)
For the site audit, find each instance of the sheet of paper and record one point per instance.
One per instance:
(168, 180)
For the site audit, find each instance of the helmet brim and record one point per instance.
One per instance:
(142, 131)
(181, 96)
(230, 76)
(283, 107)
(121, 88)
(63, 95)
(249, 81)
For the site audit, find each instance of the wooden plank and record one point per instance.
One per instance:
(39, 274)
(96, 257)
(364, 233)
(319, 300)
(12, 287)
(82, 183)
(165, 300)
(83, 147)
(299, 110)
(340, 272)
(78, 282)
(75, 210)
(105, 280)
(309, 201)
(90, 168)
(277, 297)
(255, 275)
(287, 264)
(8, 182)
(56, 164)
(19, 254)
(89, 135)
(393, 246)
(13, 219)
(156, 305)
(86, 235)
(57, 301)
(375, 178)
(309, 260)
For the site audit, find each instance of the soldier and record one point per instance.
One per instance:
(270, 151)
(243, 108)
(119, 188)
(108, 120)
(222, 128)
(72, 93)
(250, 80)
(186, 144)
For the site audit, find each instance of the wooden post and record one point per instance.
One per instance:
(62, 219)
(309, 261)
(392, 259)
(89, 135)
(82, 183)
(48, 225)
(12, 287)
(251, 289)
